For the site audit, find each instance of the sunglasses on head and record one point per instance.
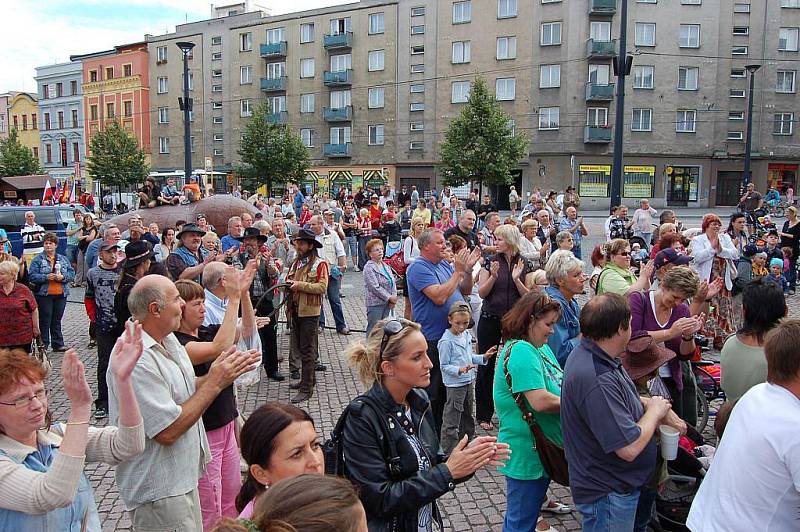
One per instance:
(390, 328)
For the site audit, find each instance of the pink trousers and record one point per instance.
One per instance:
(220, 484)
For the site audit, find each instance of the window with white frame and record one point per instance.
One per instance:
(783, 124)
(340, 135)
(161, 54)
(459, 91)
(643, 76)
(246, 107)
(307, 68)
(689, 36)
(376, 60)
(416, 106)
(416, 88)
(506, 8)
(418, 11)
(307, 103)
(418, 49)
(550, 1)
(600, 31)
(418, 68)
(738, 50)
(549, 118)
(216, 56)
(375, 99)
(647, 1)
(218, 152)
(512, 127)
(741, 7)
(737, 93)
(245, 42)
(376, 24)
(163, 115)
(216, 72)
(686, 121)
(276, 70)
(736, 115)
(787, 39)
(645, 34)
(277, 104)
(642, 120)
(506, 48)
(216, 120)
(741, 30)
(163, 144)
(416, 145)
(216, 105)
(341, 99)
(276, 35)
(341, 62)
(505, 89)
(785, 81)
(549, 76)
(245, 75)
(461, 52)
(216, 41)
(597, 116)
(790, 3)
(162, 85)
(306, 33)
(307, 137)
(375, 135)
(738, 73)
(599, 74)
(340, 26)
(691, 2)
(688, 78)
(462, 12)
(550, 34)
(735, 135)
(416, 126)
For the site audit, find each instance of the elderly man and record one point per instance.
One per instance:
(190, 258)
(486, 235)
(619, 226)
(159, 487)
(433, 286)
(32, 235)
(333, 253)
(465, 229)
(574, 225)
(235, 231)
(107, 233)
(608, 430)
(169, 194)
(547, 230)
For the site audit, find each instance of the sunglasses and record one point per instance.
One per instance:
(390, 328)
(625, 253)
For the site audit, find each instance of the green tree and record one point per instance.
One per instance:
(116, 159)
(479, 144)
(271, 153)
(16, 159)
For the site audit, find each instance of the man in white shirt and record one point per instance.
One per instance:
(607, 224)
(754, 480)
(32, 238)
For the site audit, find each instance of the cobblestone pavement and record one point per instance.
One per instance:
(478, 504)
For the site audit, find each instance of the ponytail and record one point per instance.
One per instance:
(250, 489)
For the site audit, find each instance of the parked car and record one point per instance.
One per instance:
(52, 218)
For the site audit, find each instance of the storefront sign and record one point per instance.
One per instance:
(594, 180)
(639, 181)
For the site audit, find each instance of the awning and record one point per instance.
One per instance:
(340, 177)
(374, 178)
(311, 177)
(27, 182)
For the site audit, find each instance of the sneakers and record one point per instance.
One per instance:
(320, 367)
(100, 413)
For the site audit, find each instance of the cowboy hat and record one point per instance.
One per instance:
(251, 232)
(190, 228)
(642, 356)
(308, 236)
(137, 252)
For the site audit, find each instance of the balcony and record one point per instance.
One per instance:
(602, 7)
(277, 49)
(597, 134)
(339, 41)
(342, 114)
(273, 84)
(281, 117)
(596, 92)
(336, 150)
(601, 49)
(337, 79)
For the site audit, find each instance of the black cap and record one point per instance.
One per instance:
(138, 252)
(190, 228)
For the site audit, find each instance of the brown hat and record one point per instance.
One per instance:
(642, 356)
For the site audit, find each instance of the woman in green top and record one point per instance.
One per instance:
(616, 276)
(535, 373)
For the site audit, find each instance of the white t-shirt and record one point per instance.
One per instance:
(754, 480)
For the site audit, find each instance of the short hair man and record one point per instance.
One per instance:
(608, 430)
(235, 231)
(465, 229)
(753, 482)
(169, 194)
(32, 235)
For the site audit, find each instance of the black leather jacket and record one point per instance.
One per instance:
(391, 503)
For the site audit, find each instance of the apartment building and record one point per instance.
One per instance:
(61, 118)
(22, 116)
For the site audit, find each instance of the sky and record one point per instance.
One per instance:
(44, 32)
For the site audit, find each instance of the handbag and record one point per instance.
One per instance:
(396, 262)
(40, 354)
(552, 456)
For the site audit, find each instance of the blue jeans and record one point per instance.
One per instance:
(645, 509)
(362, 251)
(375, 314)
(351, 248)
(525, 498)
(72, 254)
(51, 310)
(615, 512)
(335, 299)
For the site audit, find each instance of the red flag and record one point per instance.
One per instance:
(48, 191)
(65, 192)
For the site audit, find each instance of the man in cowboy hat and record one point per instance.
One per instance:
(189, 258)
(333, 253)
(308, 280)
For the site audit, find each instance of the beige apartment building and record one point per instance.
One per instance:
(372, 86)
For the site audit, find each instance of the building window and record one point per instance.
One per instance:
(340, 135)
(549, 76)
(506, 48)
(505, 89)
(127, 109)
(163, 115)
(340, 99)
(375, 97)
(306, 33)
(307, 103)
(47, 121)
(216, 105)
(459, 92)
(687, 78)
(217, 152)
(163, 144)
(737, 93)
(246, 107)
(598, 74)
(738, 73)
(110, 110)
(277, 104)
(74, 118)
(245, 42)
(416, 126)
(109, 72)
(741, 7)
(34, 121)
(275, 70)
(216, 56)
(245, 75)
(73, 87)
(127, 70)
(216, 72)
(550, 34)
(642, 120)
(48, 153)
(416, 106)
(506, 8)
(418, 29)
(643, 76)
(785, 81)
(689, 36)
(92, 75)
(341, 63)
(735, 135)
(306, 68)
(685, 121)
(790, 3)
(741, 30)
(92, 113)
(415, 145)
(216, 88)
(738, 50)
(216, 120)
(549, 118)
(161, 55)
(461, 52)
(76, 152)
(787, 39)
(307, 137)
(736, 115)
(218, 137)
(59, 90)
(418, 68)
(418, 49)
(462, 12)
(275, 35)
(600, 31)
(376, 135)
(691, 2)
(162, 85)
(645, 34)
(417, 11)
(216, 41)
(376, 59)
(597, 116)
(416, 88)
(783, 124)
(376, 24)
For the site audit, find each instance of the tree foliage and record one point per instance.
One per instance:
(479, 145)
(115, 159)
(271, 153)
(16, 159)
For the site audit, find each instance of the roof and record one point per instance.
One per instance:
(26, 182)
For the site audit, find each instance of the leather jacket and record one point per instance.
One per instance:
(392, 501)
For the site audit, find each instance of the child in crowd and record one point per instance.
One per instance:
(787, 258)
(458, 364)
(760, 265)
(776, 275)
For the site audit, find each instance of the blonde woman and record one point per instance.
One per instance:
(410, 253)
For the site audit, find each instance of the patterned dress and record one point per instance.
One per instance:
(725, 317)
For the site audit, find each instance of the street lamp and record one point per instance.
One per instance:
(748, 145)
(185, 104)
(622, 68)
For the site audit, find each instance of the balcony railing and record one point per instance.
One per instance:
(338, 41)
(342, 114)
(342, 77)
(281, 117)
(277, 49)
(597, 134)
(597, 49)
(596, 92)
(336, 150)
(273, 84)
(602, 7)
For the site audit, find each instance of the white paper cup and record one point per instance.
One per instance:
(669, 441)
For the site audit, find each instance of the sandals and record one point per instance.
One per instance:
(549, 526)
(555, 507)
(486, 425)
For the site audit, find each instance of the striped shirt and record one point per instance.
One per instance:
(32, 239)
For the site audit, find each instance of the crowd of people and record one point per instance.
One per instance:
(494, 363)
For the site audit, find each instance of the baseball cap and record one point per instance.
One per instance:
(670, 256)
(105, 246)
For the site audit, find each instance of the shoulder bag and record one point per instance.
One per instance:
(552, 456)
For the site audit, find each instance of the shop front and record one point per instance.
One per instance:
(782, 176)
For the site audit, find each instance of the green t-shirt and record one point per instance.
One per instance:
(73, 239)
(530, 369)
(615, 280)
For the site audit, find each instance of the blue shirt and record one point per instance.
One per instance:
(92, 251)
(455, 352)
(229, 242)
(567, 329)
(432, 317)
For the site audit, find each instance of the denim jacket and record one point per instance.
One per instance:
(40, 269)
(567, 330)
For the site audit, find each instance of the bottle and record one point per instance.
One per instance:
(57, 268)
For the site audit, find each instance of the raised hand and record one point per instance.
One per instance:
(75, 386)
(518, 267)
(233, 282)
(246, 277)
(473, 257)
(127, 351)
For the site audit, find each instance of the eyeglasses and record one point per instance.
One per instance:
(23, 402)
(625, 253)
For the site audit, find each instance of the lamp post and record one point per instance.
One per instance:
(186, 107)
(748, 145)
(622, 66)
